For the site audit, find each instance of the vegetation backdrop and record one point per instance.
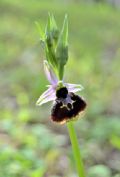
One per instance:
(30, 144)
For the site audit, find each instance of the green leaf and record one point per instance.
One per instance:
(55, 31)
(47, 29)
(42, 36)
(53, 22)
(62, 57)
(63, 39)
(62, 48)
(48, 38)
(64, 33)
(51, 37)
(50, 56)
(52, 32)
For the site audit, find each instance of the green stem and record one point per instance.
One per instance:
(61, 72)
(76, 149)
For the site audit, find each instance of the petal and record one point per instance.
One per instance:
(48, 95)
(47, 99)
(49, 91)
(50, 74)
(74, 87)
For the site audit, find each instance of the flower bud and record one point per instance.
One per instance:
(51, 40)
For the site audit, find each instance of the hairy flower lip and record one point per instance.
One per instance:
(62, 112)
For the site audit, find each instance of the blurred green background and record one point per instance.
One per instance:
(30, 144)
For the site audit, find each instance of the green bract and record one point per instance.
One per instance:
(55, 44)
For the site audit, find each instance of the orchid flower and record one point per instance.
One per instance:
(66, 104)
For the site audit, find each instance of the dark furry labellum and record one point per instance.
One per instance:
(66, 106)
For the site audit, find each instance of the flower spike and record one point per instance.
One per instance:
(66, 104)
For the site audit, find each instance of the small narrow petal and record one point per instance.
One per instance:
(49, 73)
(48, 95)
(74, 87)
